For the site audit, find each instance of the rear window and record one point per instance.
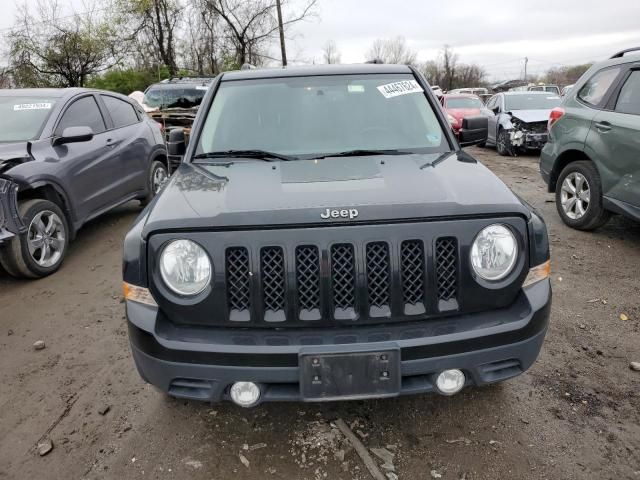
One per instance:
(464, 103)
(171, 97)
(534, 101)
(321, 115)
(629, 98)
(596, 88)
(22, 118)
(122, 113)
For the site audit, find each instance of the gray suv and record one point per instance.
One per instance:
(67, 156)
(592, 159)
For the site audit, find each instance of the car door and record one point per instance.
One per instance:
(130, 144)
(615, 137)
(87, 166)
(492, 104)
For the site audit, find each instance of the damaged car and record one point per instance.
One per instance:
(67, 156)
(520, 121)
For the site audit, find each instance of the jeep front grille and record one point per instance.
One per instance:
(273, 277)
(238, 286)
(447, 272)
(412, 261)
(342, 282)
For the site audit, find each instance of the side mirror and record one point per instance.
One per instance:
(473, 131)
(177, 143)
(74, 135)
(496, 110)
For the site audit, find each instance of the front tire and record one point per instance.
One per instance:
(579, 196)
(40, 251)
(158, 176)
(502, 143)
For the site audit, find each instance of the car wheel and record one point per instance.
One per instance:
(158, 176)
(579, 196)
(41, 249)
(502, 143)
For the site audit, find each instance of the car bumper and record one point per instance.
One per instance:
(535, 141)
(10, 222)
(201, 364)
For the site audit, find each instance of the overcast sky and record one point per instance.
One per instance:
(496, 34)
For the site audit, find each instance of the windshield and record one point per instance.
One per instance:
(533, 101)
(22, 118)
(311, 116)
(464, 102)
(171, 97)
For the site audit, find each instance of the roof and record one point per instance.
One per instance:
(42, 92)
(460, 95)
(311, 70)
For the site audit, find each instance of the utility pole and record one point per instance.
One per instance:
(283, 49)
(526, 60)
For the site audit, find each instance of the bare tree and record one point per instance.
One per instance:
(156, 24)
(330, 52)
(251, 24)
(48, 49)
(447, 72)
(392, 50)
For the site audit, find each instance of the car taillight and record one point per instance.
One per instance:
(555, 115)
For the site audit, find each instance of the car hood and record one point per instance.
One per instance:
(463, 112)
(246, 193)
(13, 151)
(528, 116)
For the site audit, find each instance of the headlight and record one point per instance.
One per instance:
(185, 267)
(494, 252)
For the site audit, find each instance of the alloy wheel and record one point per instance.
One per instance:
(160, 177)
(575, 196)
(46, 238)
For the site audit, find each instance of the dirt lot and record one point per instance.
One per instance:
(574, 415)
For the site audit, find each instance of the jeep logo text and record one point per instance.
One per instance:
(344, 213)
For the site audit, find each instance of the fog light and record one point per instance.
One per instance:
(245, 394)
(450, 382)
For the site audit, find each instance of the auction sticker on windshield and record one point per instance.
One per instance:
(32, 106)
(396, 89)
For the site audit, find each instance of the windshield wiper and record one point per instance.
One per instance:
(362, 153)
(260, 154)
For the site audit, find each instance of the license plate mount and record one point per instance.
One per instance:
(349, 376)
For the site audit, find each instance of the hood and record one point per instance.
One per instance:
(248, 193)
(460, 113)
(12, 153)
(529, 116)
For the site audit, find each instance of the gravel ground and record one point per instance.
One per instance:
(574, 415)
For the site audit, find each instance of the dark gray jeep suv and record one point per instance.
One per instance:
(326, 238)
(66, 156)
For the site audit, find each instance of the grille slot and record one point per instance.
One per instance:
(308, 282)
(343, 277)
(447, 272)
(412, 269)
(273, 286)
(238, 284)
(378, 279)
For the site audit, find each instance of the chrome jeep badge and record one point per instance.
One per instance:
(350, 213)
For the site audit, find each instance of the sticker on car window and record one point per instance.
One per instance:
(32, 106)
(202, 87)
(396, 89)
(355, 88)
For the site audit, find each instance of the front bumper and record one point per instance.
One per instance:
(202, 363)
(529, 141)
(10, 222)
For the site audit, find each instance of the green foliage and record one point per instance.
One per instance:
(128, 80)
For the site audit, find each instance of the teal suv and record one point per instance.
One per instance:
(592, 158)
